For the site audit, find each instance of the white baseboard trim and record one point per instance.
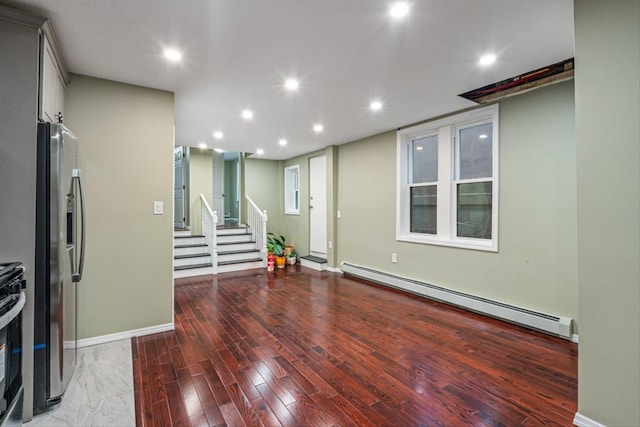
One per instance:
(102, 339)
(581, 421)
(574, 338)
(334, 270)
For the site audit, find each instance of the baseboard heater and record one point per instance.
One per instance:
(554, 325)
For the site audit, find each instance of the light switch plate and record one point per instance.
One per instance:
(158, 208)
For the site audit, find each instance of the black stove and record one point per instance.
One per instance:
(12, 300)
(11, 285)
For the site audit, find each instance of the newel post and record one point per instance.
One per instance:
(214, 243)
(264, 232)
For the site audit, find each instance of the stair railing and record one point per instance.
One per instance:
(209, 220)
(257, 223)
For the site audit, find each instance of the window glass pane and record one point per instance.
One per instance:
(424, 209)
(475, 152)
(424, 155)
(474, 210)
(291, 196)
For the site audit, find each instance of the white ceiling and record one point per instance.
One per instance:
(237, 53)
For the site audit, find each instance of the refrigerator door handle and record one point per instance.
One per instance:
(77, 276)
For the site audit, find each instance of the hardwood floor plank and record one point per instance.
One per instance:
(309, 414)
(177, 410)
(306, 385)
(208, 401)
(314, 378)
(339, 417)
(266, 415)
(137, 383)
(243, 405)
(278, 408)
(299, 347)
(215, 383)
(161, 415)
(189, 394)
(247, 386)
(231, 415)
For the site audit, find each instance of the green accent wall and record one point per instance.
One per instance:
(296, 227)
(264, 183)
(608, 164)
(126, 156)
(536, 265)
(200, 182)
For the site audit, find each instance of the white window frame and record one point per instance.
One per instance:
(291, 190)
(446, 129)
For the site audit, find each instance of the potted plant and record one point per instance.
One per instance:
(291, 257)
(271, 259)
(278, 249)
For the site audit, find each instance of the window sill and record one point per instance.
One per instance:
(293, 213)
(473, 244)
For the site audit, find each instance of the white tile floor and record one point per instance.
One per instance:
(100, 392)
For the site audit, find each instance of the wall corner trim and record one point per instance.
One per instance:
(102, 339)
(581, 421)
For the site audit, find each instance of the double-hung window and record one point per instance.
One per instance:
(292, 190)
(448, 181)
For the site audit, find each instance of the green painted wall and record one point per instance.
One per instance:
(608, 163)
(296, 227)
(200, 182)
(536, 266)
(263, 180)
(126, 155)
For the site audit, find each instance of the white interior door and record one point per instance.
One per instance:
(178, 188)
(217, 169)
(318, 206)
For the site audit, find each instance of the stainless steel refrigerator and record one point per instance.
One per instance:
(60, 244)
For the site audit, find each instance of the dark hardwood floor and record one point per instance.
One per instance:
(299, 347)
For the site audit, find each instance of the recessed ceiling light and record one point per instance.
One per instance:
(419, 147)
(375, 106)
(483, 136)
(399, 9)
(260, 151)
(317, 128)
(291, 85)
(218, 150)
(282, 142)
(218, 135)
(247, 114)
(487, 59)
(202, 145)
(172, 55)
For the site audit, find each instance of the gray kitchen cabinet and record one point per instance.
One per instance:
(53, 78)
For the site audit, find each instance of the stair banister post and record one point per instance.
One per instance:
(264, 233)
(214, 243)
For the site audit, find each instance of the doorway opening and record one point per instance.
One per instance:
(232, 187)
(181, 188)
(227, 199)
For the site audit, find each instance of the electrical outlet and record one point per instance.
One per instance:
(394, 258)
(158, 208)
(330, 244)
(338, 214)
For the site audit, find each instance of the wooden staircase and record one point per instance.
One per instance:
(235, 251)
